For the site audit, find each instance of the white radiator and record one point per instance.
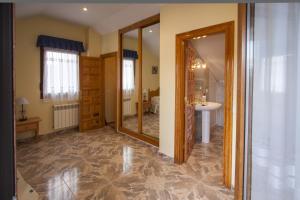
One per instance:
(126, 107)
(65, 115)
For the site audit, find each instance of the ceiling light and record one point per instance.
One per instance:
(150, 31)
(199, 37)
(204, 36)
(204, 65)
(85, 9)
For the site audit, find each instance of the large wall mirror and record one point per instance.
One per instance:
(150, 80)
(138, 98)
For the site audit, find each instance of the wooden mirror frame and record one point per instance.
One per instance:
(139, 134)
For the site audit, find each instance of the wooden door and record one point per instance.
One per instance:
(190, 136)
(91, 93)
(109, 62)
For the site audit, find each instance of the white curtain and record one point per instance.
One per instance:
(276, 103)
(128, 77)
(61, 75)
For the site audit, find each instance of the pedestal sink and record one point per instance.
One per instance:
(206, 109)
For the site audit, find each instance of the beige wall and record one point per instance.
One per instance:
(174, 19)
(93, 41)
(27, 60)
(109, 42)
(149, 80)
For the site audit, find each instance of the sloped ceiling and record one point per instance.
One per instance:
(150, 39)
(212, 50)
(104, 18)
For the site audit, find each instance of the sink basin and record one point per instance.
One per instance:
(209, 106)
(206, 109)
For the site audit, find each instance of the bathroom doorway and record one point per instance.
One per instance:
(204, 85)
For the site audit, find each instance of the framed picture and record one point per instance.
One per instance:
(154, 69)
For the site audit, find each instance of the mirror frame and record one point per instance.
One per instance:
(139, 26)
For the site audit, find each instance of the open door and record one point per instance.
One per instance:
(91, 93)
(190, 136)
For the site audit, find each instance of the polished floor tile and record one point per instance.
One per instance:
(150, 123)
(106, 165)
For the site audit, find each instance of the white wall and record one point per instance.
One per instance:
(216, 94)
(212, 87)
(174, 19)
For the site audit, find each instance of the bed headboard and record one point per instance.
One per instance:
(153, 93)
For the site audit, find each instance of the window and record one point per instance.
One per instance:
(60, 74)
(128, 76)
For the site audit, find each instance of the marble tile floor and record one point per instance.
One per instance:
(150, 124)
(105, 165)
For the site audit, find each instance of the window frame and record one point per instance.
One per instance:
(42, 62)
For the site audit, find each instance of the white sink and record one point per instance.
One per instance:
(208, 106)
(206, 109)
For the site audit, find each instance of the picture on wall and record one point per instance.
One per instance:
(154, 69)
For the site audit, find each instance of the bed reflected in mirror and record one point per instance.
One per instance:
(150, 80)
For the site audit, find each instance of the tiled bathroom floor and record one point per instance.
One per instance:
(103, 164)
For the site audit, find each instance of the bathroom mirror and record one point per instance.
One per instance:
(150, 80)
(130, 66)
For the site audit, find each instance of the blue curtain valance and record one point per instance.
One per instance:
(130, 54)
(59, 43)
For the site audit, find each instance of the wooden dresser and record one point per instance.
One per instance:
(31, 124)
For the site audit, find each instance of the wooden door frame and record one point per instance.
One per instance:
(136, 26)
(228, 29)
(103, 56)
(241, 91)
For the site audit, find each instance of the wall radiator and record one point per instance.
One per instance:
(126, 107)
(66, 115)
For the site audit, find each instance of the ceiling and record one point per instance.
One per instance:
(104, 18)
(212, 50)
(150, 37)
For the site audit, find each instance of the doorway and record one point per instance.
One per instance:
(109, 64)
(185, 135)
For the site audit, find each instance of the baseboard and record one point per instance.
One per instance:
(30, 134)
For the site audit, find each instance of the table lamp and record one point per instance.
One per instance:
(22, 101)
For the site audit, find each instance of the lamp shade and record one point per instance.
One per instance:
(22, 101)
